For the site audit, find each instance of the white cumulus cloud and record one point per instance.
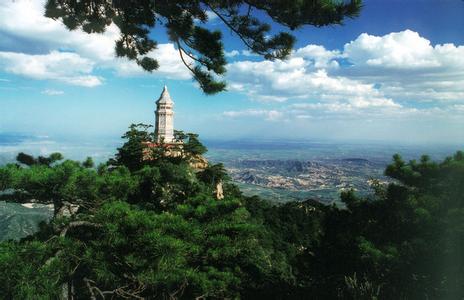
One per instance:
(405, 50)
(296, 78)
(232, 53)
(60, 66)
(388, 75)
(24, 21)
(170, 64)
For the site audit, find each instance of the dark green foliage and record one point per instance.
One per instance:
(27, 273)
(148, 63)
(88, 163)
(213, 174)
(131, 153)
(175, 239)
(29, 160)
(180, 136)
(185, 22)
(26, 159)
(293, 230)
(359, 289)
(153, 230)
(193, 145)
(202, 247)
(403, 243)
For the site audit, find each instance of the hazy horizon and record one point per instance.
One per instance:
(380, 77)
(103, 147)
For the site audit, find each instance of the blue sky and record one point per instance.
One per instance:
(395, 74)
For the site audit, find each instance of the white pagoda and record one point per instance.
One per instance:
(164, 126)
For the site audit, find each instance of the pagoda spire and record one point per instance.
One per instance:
(165, 97)
(164, 126)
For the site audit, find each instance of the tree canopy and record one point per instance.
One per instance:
(151, 231)
(185, 23)
(156, 231)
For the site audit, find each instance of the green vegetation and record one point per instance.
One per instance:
(200, 49)
(152, 228)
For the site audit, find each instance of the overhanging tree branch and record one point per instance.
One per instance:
(135, 19)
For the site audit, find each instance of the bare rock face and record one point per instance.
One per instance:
(198, 162)
(67, 210)
(219, 192)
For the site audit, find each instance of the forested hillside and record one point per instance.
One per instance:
(134, 228)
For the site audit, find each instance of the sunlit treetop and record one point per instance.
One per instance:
(185, 22)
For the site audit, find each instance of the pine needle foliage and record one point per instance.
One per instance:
(200, 48)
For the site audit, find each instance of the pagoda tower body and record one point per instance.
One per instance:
(164, 126)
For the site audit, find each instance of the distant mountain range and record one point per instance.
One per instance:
(317, 179)
(17, 221)
(13, 138)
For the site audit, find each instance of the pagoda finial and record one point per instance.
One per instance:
(164, 97)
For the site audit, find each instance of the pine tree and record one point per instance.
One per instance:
(185, 22)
